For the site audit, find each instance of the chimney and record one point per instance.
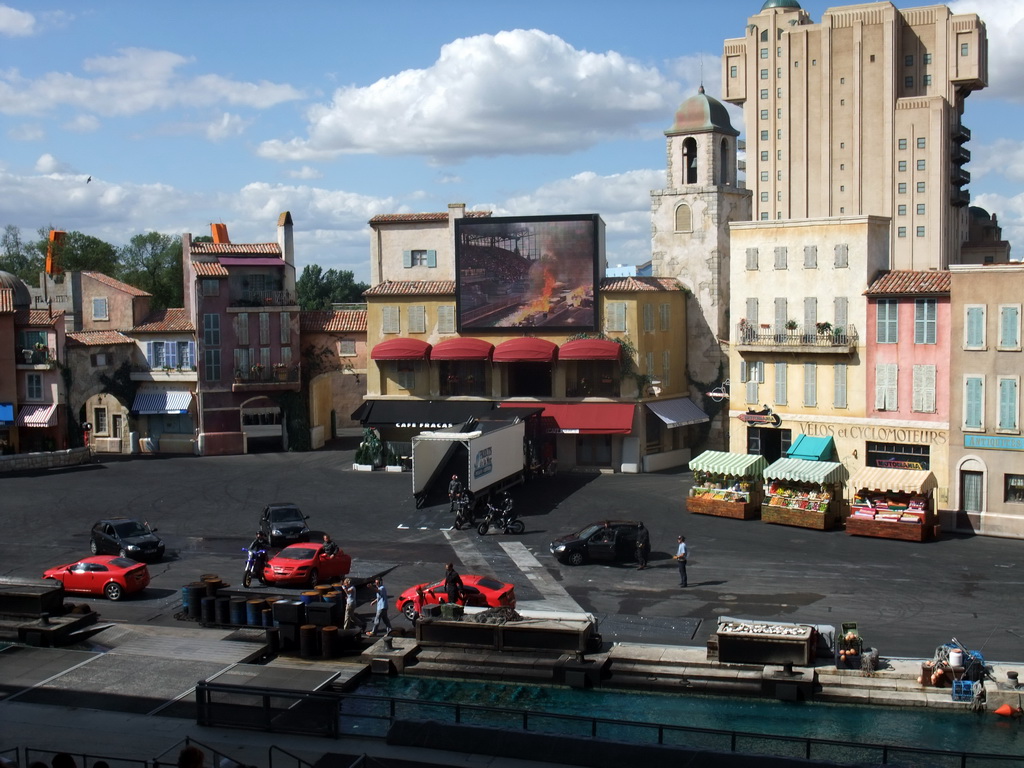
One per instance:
(220, 233)
(286, 241)
(456, 210)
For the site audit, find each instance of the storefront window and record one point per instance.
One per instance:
(463, 378)
(898, 456)
(1014, 489)
(592, 378)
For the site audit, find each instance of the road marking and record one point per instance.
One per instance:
(469, 553)
(555, 596)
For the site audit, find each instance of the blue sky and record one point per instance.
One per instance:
(188, 113)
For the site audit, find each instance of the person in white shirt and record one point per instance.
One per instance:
(680, 558)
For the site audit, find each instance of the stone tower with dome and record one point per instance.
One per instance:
(690, 235)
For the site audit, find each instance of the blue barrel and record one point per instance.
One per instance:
(254, 611)
(237, 610)
(310, 597)
(267, 616)
(191, 594)
(209, 610)
(223, 610)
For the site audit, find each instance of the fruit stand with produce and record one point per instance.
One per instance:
(893, 504)
(727, 485)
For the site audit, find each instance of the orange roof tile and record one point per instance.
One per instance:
(393, 218)
(97, 339)
(6, 299)
(175, 320)
(210, 269)
(902, 282)
(412, 288)
(640, 284)
(37, 317)
(333, 321)
(109, 281)
(236, 249)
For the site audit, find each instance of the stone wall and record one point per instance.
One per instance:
(24, 462)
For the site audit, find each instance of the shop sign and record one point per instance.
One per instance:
(894, 464)
(994, 443)
(764, 416)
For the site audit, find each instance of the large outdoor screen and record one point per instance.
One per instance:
(528, 272)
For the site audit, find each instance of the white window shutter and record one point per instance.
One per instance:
(839, 373)
(781, 384)
(752, 314)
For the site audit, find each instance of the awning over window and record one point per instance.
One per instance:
(151, 403)
(584, 418)
(679, 412)
(803, 471)
(812, 448)
(729, 464)
(6, 413)
(462, 349)
(37, 415)
(401, 349)
(420, 414)
(526, 350)
(885, 479)
(589, 349)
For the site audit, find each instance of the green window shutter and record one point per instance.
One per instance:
(1007, 404)
(1009, 323)
(973, 393)
(407, 259)
(431, 259)
(975, 327)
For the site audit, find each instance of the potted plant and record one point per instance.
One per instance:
(824, 329)
(791, 325)
(281, 371)
(257, 371)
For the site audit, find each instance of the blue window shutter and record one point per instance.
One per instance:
(431, 258)
(192, 353)
(149, 353)
(171, 354)
(407, 259)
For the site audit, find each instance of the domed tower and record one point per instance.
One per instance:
(22, 297)
(690, 223)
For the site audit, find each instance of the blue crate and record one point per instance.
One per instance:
(963, 690)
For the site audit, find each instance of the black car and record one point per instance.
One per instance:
(608, 541)
(126, 537)
(284, 523)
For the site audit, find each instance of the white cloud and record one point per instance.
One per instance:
(227, 126)
(136, 80)
(1004, 23)
(305, 172)
(15, 23)
(517, 92)
(83, 124)
(1004, 157)
(47, 163)
(26, 132)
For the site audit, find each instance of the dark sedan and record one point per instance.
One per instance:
(126, 537)
(284, 523)
(608, 541)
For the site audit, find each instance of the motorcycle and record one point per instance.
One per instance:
(255, 561)
(463, 509)
(501, 518)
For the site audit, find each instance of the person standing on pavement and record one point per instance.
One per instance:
(381, 616)
(452, 583)
(454, 491)
(643, 546)
(350, 606)
(680, 558)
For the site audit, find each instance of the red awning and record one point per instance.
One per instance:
(462, 349)
(526, 350)
(584, 418)
(401, 349)
(589, 349)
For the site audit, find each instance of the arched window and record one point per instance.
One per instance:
(689, 160)
(684, 219)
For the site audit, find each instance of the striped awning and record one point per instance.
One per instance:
(885, 479)
(151, 403)
(729, 464)
(803, 471)
(678, 412)
(37, 415)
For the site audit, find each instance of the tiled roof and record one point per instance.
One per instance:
(640, 284)
(392, 218)
(97, 339)
(124, 287)
(37, 317)
(412, 288)
(906, 283)
(237, 249)
(210, 269)
(6, 299)
(174, 320)
(333, 321)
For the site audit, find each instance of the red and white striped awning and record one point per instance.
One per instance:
(37, 415)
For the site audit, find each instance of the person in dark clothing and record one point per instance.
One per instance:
(452, 583)
(643, 547)
(330, 547)
(260, 542)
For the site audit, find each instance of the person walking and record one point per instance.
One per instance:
(643, 546)
(381, 616)
(680, 558)
(452, 583)
(350, 606)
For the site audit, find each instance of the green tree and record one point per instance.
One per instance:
(84, 253)
(152, 262)
(317, 289)
(20, 258)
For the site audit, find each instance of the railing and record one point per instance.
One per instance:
(262, 299)
(36, 357)
(312, 713)
(767, 336)
(272, 375)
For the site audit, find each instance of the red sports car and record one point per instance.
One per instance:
(107, 575)
(306, 564)
(477, 591)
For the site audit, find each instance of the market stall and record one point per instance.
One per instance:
(727, 485)
(893, 504)
(803, 493)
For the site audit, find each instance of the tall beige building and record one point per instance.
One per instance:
(860, 115)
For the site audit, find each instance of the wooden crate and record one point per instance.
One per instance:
(801, 518)
(884, 529)
(737, 510)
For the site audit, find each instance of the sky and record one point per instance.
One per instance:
(188, 113)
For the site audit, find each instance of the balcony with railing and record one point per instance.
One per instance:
(279, 378)
(820, 338)
(37, 356)
(262, 298)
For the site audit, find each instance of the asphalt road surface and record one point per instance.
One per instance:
(907, 598)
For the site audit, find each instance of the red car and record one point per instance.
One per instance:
(107, 575)
(306, 564)
(477, 591)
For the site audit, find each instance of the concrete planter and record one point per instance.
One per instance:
(393, 468)
(363, 467)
